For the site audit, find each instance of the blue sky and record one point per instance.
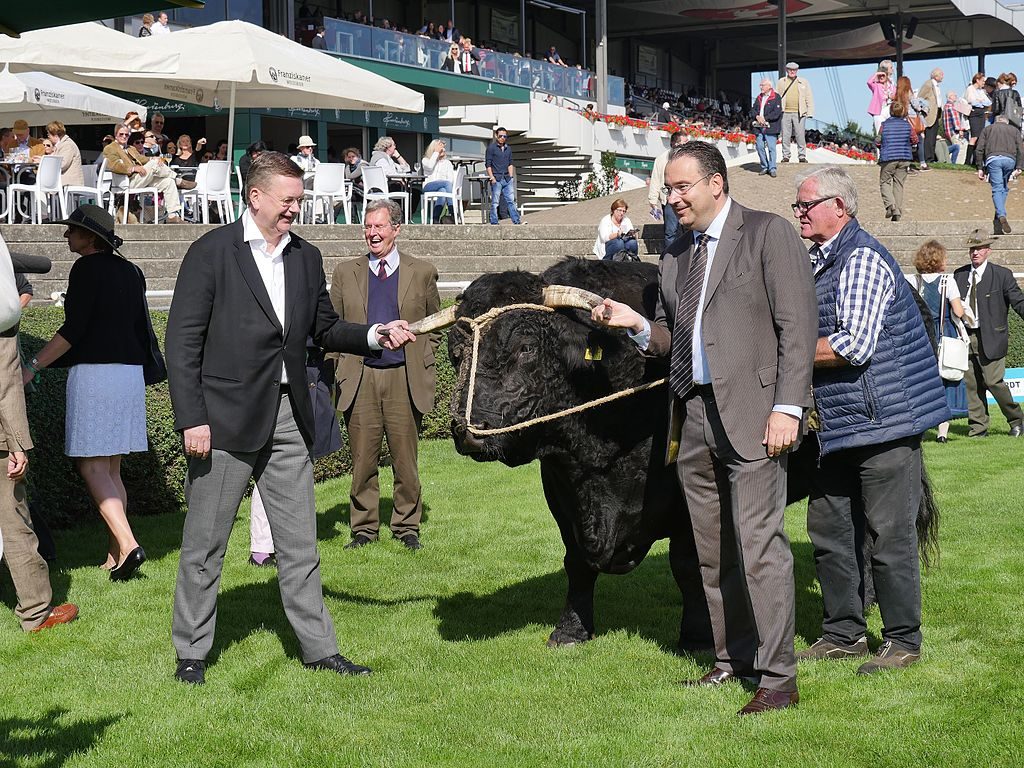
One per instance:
(853, 95)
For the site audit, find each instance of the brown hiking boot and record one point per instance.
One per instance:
(889, 656)
(826, 649)
(1005, 225)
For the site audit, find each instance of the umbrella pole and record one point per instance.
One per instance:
(231, 126)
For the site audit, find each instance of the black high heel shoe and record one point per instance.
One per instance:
(131, 564)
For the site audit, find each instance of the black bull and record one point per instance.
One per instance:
(602, 469)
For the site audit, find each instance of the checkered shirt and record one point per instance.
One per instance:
(951, 123)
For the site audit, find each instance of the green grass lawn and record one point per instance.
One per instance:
(455, 635)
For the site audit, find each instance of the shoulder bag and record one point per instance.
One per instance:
(154, 369)
(953, 351)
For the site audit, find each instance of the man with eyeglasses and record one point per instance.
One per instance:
(735, 316)
(502, 175)
(125, 157)
(876, 391)
(247, 297)
(386, 395)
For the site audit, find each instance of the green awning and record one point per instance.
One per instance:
(17, 17)
(633, 164)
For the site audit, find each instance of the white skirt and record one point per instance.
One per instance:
(106, 410)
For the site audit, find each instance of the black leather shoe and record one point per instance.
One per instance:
(131, 564)
(411, 541)
(192, 671)
(1017, 431)
(712, 679)
(341, 665)
(979, 434)
(360, 540)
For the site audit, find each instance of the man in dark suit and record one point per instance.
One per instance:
(387, 394)
(988, 291)
(736, 317)
(247, 297)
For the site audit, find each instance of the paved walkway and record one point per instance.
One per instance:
(934, 195)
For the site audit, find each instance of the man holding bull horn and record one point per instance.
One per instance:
(736, 316)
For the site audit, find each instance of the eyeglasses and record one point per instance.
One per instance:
(803, 206)
(502, 135)
(682, 189)
(150, 136)
(123, 133)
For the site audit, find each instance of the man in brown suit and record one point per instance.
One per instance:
(931, 92)
(125, 159)
(736, 315)
(387, 394)
(20, 547)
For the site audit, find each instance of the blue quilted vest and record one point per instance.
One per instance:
(896, 394)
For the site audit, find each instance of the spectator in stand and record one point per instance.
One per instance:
(440, 176)
(952, 126)
(616, 236)
(555, 58)
(207, 157)
(146, 30)
(162, 26)
(767, 124)
(8, 141)
(451, 62)
(170, 150)
(656, 192)
(133, 121)
(664, 114)
(1004, 94)
(25, 144)
(156, 123)
(386, 155)
(186, 158)
(896, 140)
(468, 58)
(253, 151)
(222, 150)
(939, 292)
(451, 34)
(105, 342)
(502, 175)
(797, 106)
(125, 159)
(931, 93)
(878, 84)
(428, 29)
(354, 173)
(103, 145)
(979, 100)
(150, 147)
(999, 159)
(320, 39)
(66, 149)
(306, 160)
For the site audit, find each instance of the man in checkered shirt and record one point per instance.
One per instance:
(876, 390)
(952, 125)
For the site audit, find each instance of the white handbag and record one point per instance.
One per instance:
(953, 351)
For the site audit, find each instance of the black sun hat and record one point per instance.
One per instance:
(96, 220)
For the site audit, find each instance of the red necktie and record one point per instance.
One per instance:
(382, 273)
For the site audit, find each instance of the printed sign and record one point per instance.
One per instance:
(505, 27)
(647, 59)
(1015, 381)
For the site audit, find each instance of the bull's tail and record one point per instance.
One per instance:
(927, 522)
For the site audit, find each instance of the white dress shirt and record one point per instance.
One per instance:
(390, 262)
(270, 263)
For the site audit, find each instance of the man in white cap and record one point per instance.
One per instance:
(797, 106)
(306, 160)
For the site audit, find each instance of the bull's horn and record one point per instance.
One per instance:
(435, 322)
(570, 296)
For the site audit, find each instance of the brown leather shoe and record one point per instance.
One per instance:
(186, 184)
(826, 649)
(889, 656)
(765, 700)
(62, 614)
(174, 219)
(712, 679)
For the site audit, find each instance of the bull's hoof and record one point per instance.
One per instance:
(561, 639)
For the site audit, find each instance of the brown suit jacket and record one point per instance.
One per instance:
(417, 298)
(927, 92)
(121, 159)
(760, 321)
(14, 433)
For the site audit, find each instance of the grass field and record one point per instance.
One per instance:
(455, 635)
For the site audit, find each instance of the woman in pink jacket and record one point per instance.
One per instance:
(882, 90)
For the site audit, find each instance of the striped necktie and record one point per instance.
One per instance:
(972, 298)
(382, 272)
(680, 374)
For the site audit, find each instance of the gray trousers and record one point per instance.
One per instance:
(892, 175)
(870, 491)
(283, 470)
(737, 510)
(793, 127)
(983, 376)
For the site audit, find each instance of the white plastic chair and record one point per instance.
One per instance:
(214, 186)
(121, 185)
(455, 198)
(96, 186)
(375, 187)
(41, 194)
(329, 186)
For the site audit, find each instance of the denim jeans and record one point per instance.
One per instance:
(503, 187)
(618, 245)
(765, 150)
(438, 186)
(999, 169)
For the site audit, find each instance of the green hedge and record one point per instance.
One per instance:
(155, 480)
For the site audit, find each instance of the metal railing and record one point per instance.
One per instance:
(350, 39)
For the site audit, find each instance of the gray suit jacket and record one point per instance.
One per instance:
(760, 321)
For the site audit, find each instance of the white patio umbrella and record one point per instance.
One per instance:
(242, 65)
(88, 46)
(39, 98)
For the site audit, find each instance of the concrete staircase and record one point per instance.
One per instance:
(541, 165)
(461, 253)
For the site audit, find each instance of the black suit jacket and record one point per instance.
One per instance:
(225, 345)
(997, 292)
